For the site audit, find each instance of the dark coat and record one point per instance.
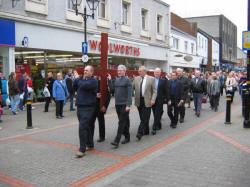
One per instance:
(86, 91)
(162, 91)
(13, 87)
(200, 87)
(50, 82)
(185, 83)
(22, 85)
(106, 104)
(178, 92)
(69, 83)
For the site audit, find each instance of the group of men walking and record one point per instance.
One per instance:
(150, 93)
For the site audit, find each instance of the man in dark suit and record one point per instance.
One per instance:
(99, 114)
(162, 93)
(177, 96)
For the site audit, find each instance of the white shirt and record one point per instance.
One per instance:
(144, 85)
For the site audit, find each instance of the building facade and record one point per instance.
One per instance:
(183, 51)
(49, 36)
(223, 30)
(241, 60)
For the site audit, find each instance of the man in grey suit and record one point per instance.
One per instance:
(145, 95)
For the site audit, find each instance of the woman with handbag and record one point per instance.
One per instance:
(60, 93)
(231, 85)
(13, 92)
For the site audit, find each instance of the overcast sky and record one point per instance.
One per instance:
(234, 10)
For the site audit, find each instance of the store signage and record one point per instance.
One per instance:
(7, 30)
(114, 48)
(85, 58)
(246, 40)
(22, 68)
(84, 47)
(25, 41)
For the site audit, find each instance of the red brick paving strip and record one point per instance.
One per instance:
(96, 176)
(14, 182)
(229, 140)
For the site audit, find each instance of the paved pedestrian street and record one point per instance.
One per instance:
(199, 152)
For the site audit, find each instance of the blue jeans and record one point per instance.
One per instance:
(198, 102)
(23, 101)
(84, 114)
(14, 101)
(71, 99)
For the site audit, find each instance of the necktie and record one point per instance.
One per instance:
(141, 86)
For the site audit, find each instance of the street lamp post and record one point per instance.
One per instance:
(92, 4)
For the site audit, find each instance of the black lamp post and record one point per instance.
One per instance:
(92, 4)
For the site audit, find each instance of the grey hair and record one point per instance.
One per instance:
(179, 69)
(143, 68)
(122, 67)
(158, 69)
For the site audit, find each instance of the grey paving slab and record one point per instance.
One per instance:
(200, 161)
(4, 184)
(44, 165)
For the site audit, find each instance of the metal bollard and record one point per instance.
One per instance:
(246, 123)
(29, 114)
(228, 109)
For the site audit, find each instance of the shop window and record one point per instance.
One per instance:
(103, 18)
(126, 16)
(71, 14)
(145, 23)
(37, 6)
(159, 27)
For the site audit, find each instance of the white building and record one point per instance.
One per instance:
(215, 55)
(202, 49)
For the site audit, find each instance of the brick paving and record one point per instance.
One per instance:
(197, 153)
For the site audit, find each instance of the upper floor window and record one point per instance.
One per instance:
(101, 9)
(70, 5)
(186, 46)
(159, 24)
(37, 6)
(176, 43)
(144, 19)
(124, 13)
(192, 48)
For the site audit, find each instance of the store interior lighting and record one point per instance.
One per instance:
(49, 56)
(28, 52)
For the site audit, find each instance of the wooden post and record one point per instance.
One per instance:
(103, 68)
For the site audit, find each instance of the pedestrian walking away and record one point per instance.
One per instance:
(214, 92)
(69, 83)
(162, 94)
(49, 86)
(23, 90)
(13, 92)
(60, 93)
(86, 88)
(198, 87)
(145, 95)
(175, 100)
(99, 113)
(122, 88)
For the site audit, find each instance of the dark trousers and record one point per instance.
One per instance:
(221, 90)
(144, 113)
(100, 117)
(157, 111)
(84, 114)
(47, 102)
(173, 112)
(215, 101)
(59, 108)
(198, 102)
(182, 110)
(123, 124)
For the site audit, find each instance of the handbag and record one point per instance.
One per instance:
(204, 99)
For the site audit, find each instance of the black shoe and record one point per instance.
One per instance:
(198, 115)
(14, 113)
(181, 120)
(138, 137)
(153, 132)
(174, 126)
(115, 144)
(146, 133)
(62, 116)
(158, 128)
(101, 140)
(45, 111)
(58, 117)
(126, 140)
(72, 109)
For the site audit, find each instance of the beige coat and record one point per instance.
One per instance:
(150, 90)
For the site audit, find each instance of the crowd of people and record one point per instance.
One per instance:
(150, 93)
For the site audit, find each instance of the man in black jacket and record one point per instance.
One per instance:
(198, 87)
(99, 114)
(185, 83)
(162, 93)
(49, 85)
(69, 83)
(176, 90)
(86, 88)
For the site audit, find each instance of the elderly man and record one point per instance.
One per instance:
(145, 95)
(162, 93)
(122, 88)
(186, 86)
(198, 87)
(86, 88)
